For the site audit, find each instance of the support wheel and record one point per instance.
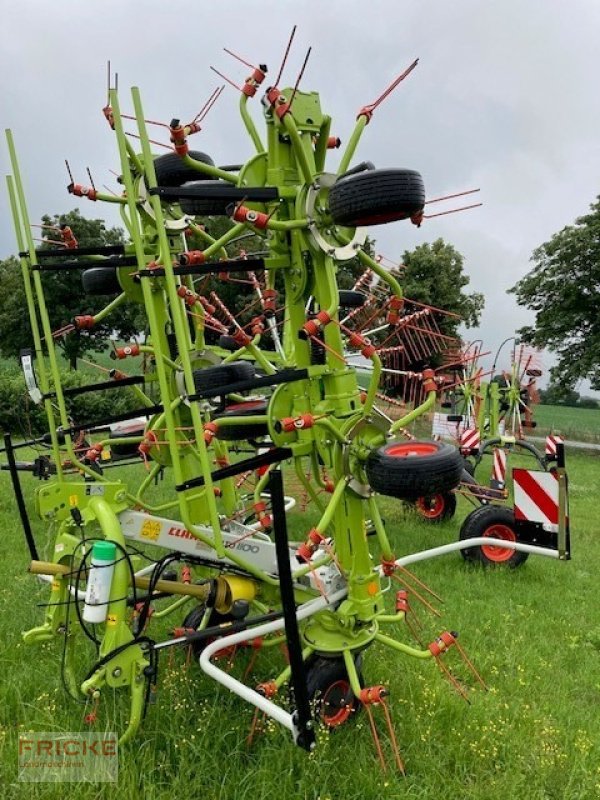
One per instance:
(436, 508)
(232, 433)
(222, 376)
(193, 621)
(329, 690)
(377, 196)
(101, 281)
(410, 470)
(349, 298)
(497, 522)
(171, 171)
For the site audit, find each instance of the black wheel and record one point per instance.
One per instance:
(469, 467)
(221, 376)
(122, 430)
(101, 281)
(351, 299)
(329, 689)
(410, 470)
(193, 620)
(204, 206)
(376, 196)
(436, 507)
(228, 343)
(171, 171)
(231, 433)
(497, 522)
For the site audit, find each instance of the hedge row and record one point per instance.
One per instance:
(21, 417)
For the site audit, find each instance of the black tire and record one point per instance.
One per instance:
(171, 171)
(222, 376)
(101, 281)
(204, 206)
(135, 428)
(436, 508)
(496, 521)
(469, 467)
(329, 690)
(232, 433)
(228, 343)
(376, 197)
(193, 620)
(351, 299)
(410, 470)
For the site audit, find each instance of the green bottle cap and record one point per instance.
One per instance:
(104, 551)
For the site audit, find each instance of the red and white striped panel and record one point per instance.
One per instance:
(469, 439)
(536, 497)
(551, 441)
(499, 468)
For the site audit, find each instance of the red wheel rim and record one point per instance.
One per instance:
(499, 554)
(431, 507)
(336, 705)
(404, 449)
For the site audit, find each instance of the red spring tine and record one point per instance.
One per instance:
(225, 78)
(69, 171)
(285, 56)
(299, 78)
(213, 99)
(239, 58)
(392, 735)
(445, 671)
(420, 583)
(452, 211)
(375, 735)
(451, 196)
(205, 106)
(368, 109)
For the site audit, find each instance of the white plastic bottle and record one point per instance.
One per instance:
(97, 593)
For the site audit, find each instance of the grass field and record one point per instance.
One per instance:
(578, 424)
(533, 633)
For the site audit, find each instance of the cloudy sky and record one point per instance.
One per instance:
(505, 98)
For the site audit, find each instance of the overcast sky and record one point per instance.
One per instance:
(505, 98)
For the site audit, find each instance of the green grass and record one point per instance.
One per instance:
(577, 424)
(534, 634)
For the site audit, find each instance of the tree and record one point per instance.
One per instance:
(434, 275)
(556, 395)
(563, 289)
(64, 296)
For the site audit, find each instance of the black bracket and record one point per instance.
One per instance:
(235, 265)
(302, 716)
(272, 456)
(217, 191)
(283, 376)
(14, 476)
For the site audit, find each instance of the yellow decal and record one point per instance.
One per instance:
(111, 619)
(150, 529)
(73, 500)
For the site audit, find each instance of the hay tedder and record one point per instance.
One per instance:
(231, 397)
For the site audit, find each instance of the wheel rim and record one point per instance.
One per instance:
(405, 449)
(431, 507)
(336, 706)
(499, 554)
